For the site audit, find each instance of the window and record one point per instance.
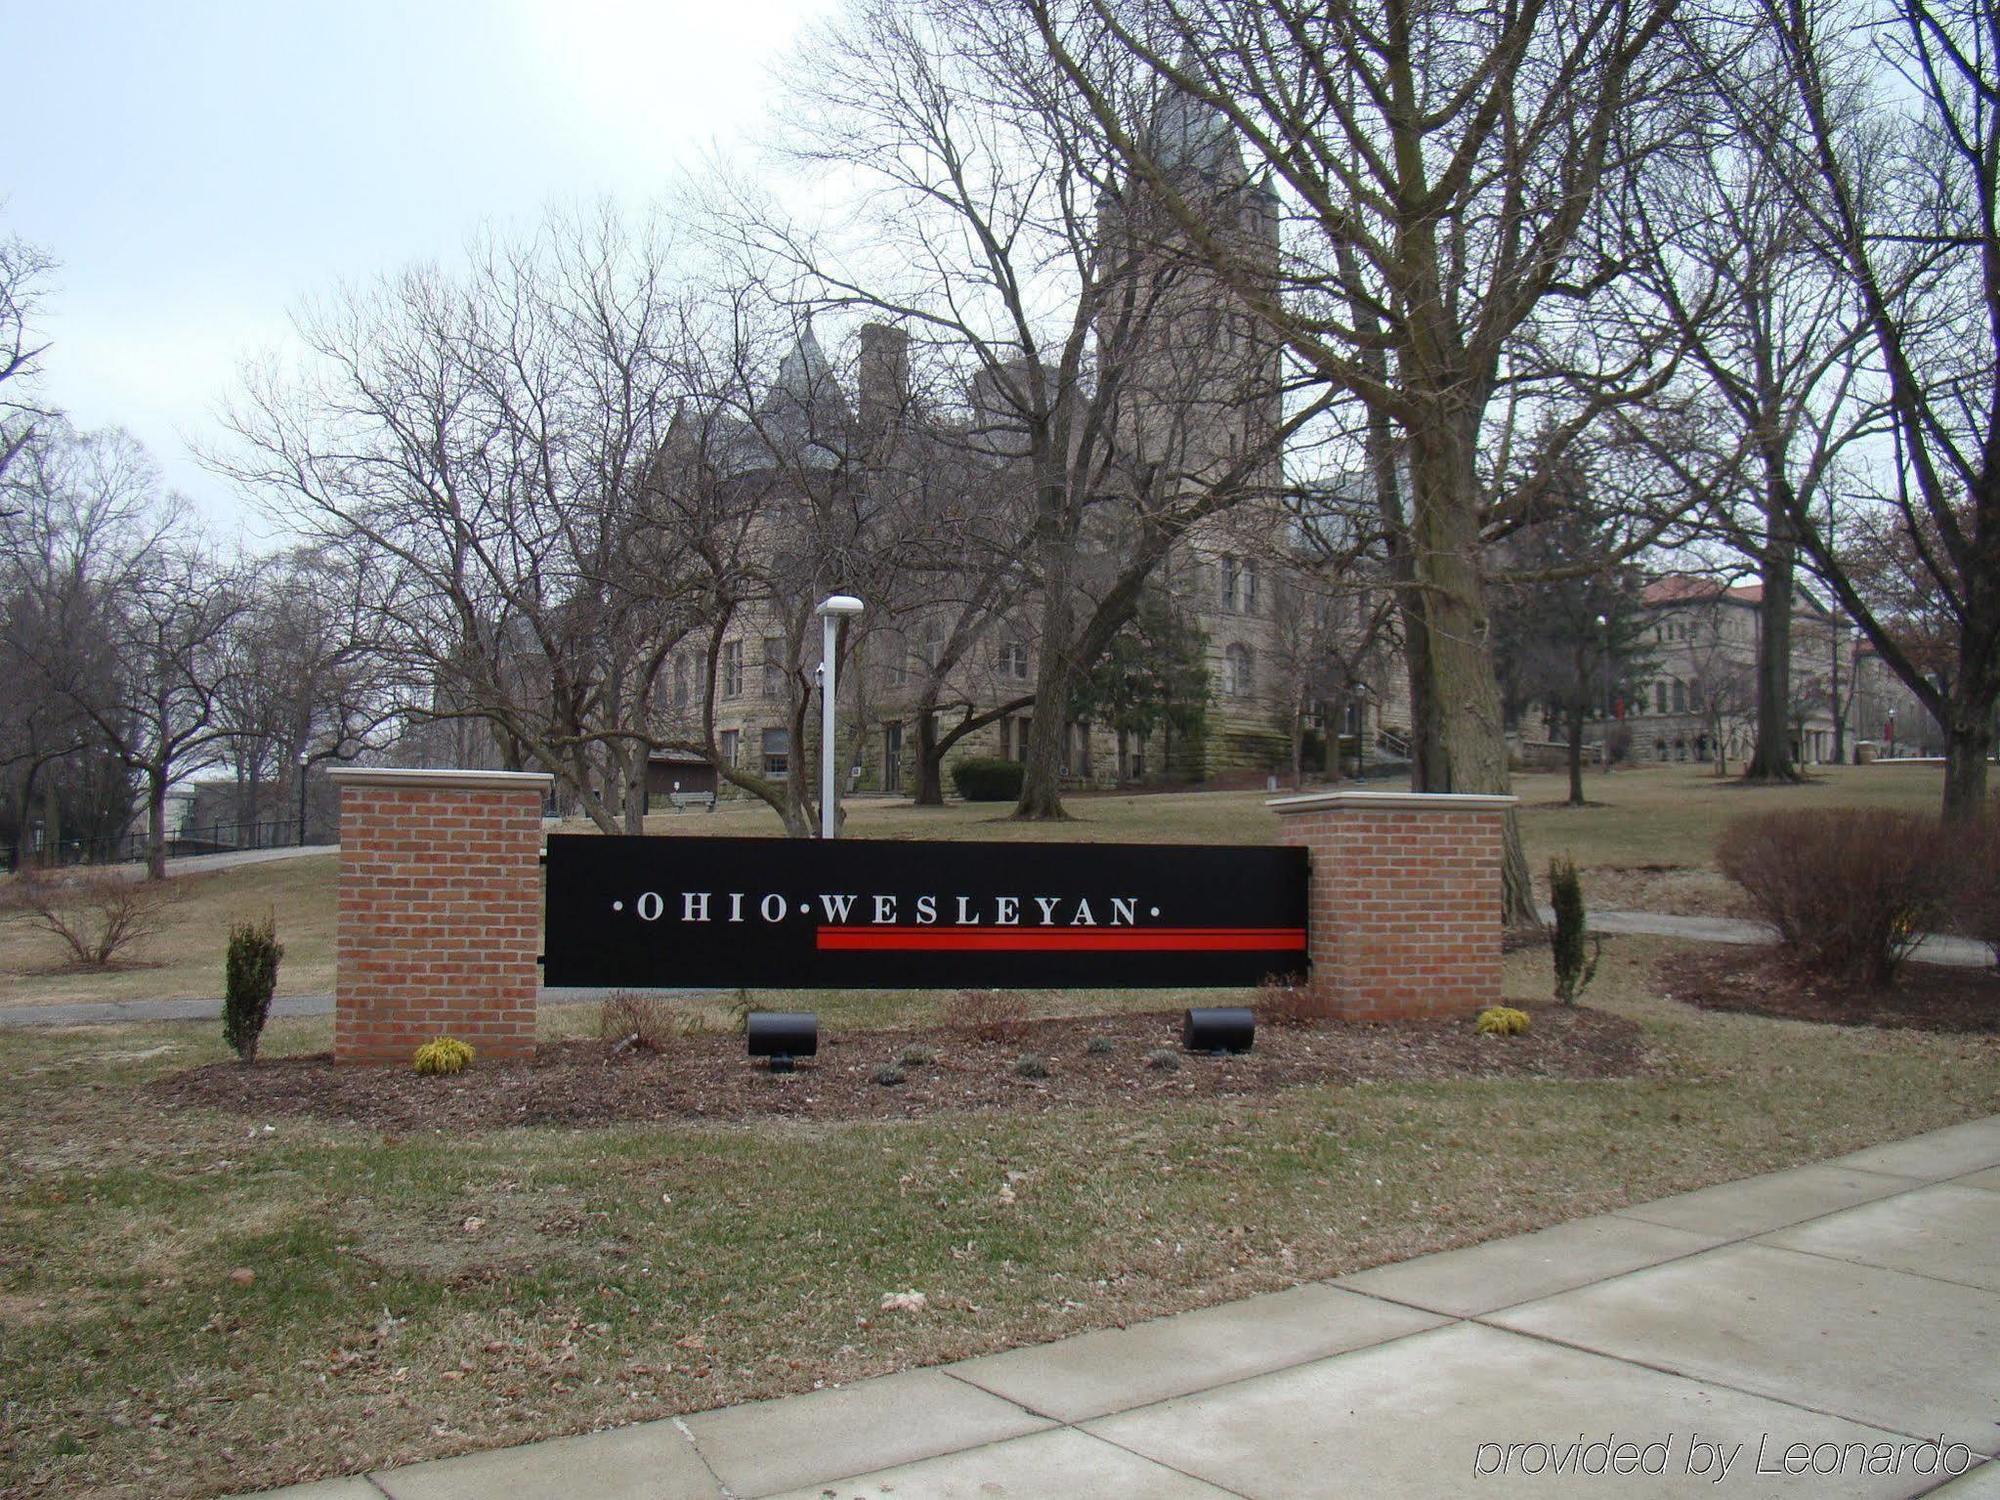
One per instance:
(1239, 671)
(680, 682)
(732, 669)
(730, 737)
(1021, 728)
(1680, 696)
(1660, 700)
(933, 644)
(777, 753)
(1014, 660)
(774, 666)
(892, 756)
(1232, 582)
(1250, 588)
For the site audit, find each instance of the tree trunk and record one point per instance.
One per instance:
(1464, 695)
(1576, 760)
(1041, 781)
(635, 789)
(1771, 759)
(930, 764)
(156, 824)
(1298, 748)
(24, 794)
(1968, 741)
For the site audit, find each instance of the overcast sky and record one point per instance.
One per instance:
(198, 166)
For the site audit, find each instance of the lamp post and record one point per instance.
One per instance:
(1604, 632)
(1892, 734)
(304, 761)
(830, 611)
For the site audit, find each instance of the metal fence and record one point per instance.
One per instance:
(190, 839)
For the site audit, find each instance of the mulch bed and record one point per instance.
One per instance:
(1925, 997)
(709, 1078)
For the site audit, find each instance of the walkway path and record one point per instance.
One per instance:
(104, 1012)
(1845, 1315)
(1936, 949)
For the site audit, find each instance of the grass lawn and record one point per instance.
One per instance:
(1647, 843)
(184, 958)
(423, 1295)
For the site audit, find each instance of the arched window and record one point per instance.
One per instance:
(1680, 696)
(1239, 671)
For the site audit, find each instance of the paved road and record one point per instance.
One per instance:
(198, 864)
(96, 1013)
(1829, 1330)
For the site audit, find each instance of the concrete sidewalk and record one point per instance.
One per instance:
(1843, 1317)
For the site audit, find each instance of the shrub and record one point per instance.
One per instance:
(1164, 1060)
(1098, 1045)
(643, 1023)
(96, 914)
(989, 1015)
(249, 975)
(987, 780)
(1574, 967)
(888, 1075)
(1285, 1002)
(1849, 891)
(445, 1055)
(915, 1057)
(1031, 1065)
(1502, 1020)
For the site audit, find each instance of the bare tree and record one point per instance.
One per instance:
(1440, 170)
(1896, 166)
(1771, 329)
(24, 270)
(131, 626)
(1116, 385)
(493, 439)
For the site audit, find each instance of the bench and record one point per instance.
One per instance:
(682, 801)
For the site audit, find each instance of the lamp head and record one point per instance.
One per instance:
(840, 604)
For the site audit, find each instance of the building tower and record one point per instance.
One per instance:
(1201, 405)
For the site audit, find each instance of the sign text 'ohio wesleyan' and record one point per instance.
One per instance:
(892, 914)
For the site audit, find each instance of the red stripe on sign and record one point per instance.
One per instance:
(1064, 939)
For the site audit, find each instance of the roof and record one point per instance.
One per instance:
(1187, 132)
(1679, 588)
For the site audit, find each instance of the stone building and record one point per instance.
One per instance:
(1199, 391)
(1699, 702)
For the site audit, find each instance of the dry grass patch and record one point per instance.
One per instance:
(183, 958)
(631, 1272)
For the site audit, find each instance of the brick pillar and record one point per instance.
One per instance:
(440, 912)
(1405, 900)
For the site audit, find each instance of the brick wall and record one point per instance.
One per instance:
(1405, 901)
(440, 912)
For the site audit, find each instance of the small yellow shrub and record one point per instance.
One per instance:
(445, 1055)
(1502, 1020)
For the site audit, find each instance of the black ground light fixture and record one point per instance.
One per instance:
(782, 1036)
(1219, 1028)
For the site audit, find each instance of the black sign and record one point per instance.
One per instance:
(886, 914)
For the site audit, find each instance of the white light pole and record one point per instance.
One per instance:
(830, 611)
